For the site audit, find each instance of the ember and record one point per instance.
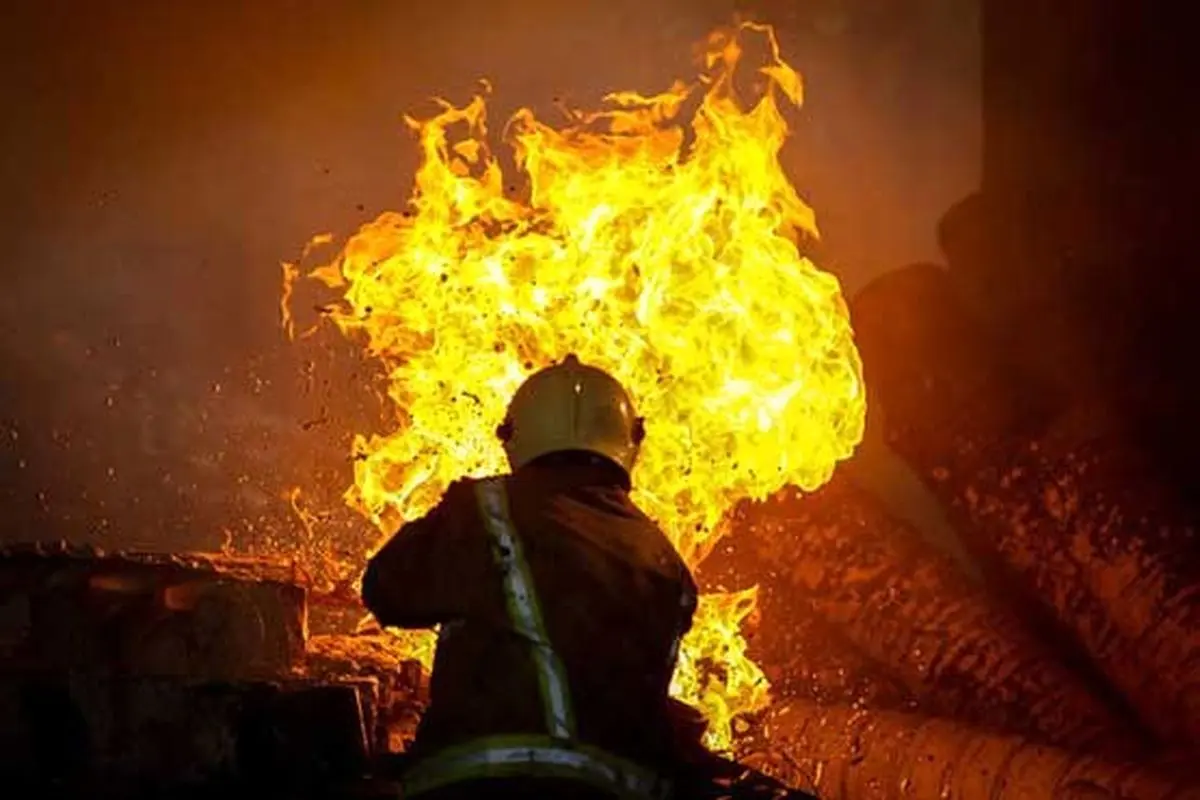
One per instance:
(659, 239)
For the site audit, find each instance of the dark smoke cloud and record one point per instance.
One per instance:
(160, 159)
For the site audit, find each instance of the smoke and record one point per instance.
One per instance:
(161, 160)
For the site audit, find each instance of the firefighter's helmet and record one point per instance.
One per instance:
(571, 406)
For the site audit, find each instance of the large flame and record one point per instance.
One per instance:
(656, 238)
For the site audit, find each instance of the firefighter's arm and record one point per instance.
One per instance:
(410, 583)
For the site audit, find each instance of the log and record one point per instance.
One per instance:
(803, 656)
(1117, 569)
(68, 608)
(912, 618)
(845, 754)
(1054, 495)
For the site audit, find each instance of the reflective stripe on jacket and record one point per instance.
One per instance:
(541, 756)
(524, 611)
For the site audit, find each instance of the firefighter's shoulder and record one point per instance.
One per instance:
(460, 490)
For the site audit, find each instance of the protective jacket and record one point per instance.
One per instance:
(560, 606)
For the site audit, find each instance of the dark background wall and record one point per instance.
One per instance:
(1080, 251)
(160, 159)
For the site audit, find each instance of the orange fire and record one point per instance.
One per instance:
(656, 238)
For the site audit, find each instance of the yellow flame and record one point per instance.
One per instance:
(653, 241)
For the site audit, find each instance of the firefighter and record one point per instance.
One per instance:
(559, 605)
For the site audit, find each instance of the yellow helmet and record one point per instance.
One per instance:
(571, 406)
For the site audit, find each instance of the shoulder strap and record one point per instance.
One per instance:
(524, 612)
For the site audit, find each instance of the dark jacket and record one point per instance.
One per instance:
(614, 595)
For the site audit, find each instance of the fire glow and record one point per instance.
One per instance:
(656, 238)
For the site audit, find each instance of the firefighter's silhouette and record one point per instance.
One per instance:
(560, 608)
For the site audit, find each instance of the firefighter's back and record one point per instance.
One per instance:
(611, 595)
(560, 604)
